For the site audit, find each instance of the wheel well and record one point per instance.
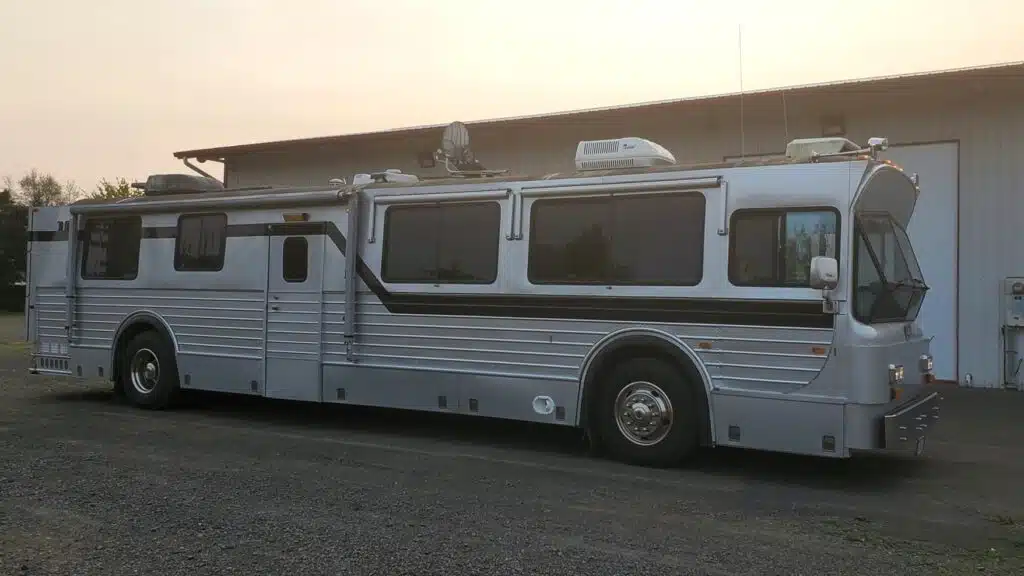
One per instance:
(647, 348)
(125, 337)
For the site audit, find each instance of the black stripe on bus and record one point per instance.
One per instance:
(807, 314)
(171, 232)
(48, 235)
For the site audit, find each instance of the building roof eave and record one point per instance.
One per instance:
(220, 153)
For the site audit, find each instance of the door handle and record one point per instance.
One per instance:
(275, 307)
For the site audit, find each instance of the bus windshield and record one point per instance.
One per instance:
(888, 284)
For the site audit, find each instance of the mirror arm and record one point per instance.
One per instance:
(828, 305)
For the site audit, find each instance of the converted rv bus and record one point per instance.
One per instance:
(763, 304)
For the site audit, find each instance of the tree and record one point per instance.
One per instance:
(13, 239)
(38, 189)
(116, 190)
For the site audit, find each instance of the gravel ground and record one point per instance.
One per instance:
(245, 486)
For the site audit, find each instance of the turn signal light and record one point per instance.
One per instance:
(895, 375)
(927, 367)
(895, 381)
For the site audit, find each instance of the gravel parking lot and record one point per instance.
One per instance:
(245, 486)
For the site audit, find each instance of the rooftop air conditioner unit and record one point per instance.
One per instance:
(807, 148)
(621, 153)
(168, 184)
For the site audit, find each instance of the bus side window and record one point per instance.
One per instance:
(454, 243)
(111, 248)
(200, 242)
(295, 259)
(774, 247)
(630, 240)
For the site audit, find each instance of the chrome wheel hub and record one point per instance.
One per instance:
(643, 413)
(145, 371)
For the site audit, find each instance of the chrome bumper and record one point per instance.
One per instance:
(907, 426)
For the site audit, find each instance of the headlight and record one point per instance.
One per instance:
(925, 363)
(895, 375)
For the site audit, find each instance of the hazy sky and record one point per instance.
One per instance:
(109, 88)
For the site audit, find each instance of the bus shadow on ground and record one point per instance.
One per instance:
(863, 473)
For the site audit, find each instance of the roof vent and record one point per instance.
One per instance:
(621, 153)
(167, 184)
(389, 175)
(808, 148)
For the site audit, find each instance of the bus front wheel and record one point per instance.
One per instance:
(647, 413)
(149, 373)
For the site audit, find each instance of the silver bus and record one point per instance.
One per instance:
(764, 304)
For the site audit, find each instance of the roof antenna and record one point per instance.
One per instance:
(785, 115)
(743, 135)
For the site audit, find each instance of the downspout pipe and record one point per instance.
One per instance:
(199, 170)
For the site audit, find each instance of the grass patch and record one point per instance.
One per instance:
(991, 561)
(12, 331)
(1002, 520)
(1002, 554)
(15, 346)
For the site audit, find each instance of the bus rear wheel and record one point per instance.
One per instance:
(149, 374)
(647, 413)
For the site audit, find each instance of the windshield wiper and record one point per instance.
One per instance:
(911, 283)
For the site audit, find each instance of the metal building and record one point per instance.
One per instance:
(962, 131)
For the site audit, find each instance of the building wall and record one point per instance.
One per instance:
(987, 121)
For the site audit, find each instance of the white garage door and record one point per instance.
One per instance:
(933, 233)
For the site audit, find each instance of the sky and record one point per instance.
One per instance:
(112, 88)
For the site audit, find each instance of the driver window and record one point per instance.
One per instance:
(867, 280)
(773, 248)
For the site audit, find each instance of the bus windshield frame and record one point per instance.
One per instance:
(888, 285)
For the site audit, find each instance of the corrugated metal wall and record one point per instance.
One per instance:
(988, 122)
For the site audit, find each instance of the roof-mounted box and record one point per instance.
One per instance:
(167, 184)
(621, 153)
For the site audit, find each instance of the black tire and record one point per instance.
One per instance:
(119, 389)
(678, 442)
(152, 393)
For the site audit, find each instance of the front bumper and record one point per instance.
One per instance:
(906, 427)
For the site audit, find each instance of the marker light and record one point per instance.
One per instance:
(895, 375)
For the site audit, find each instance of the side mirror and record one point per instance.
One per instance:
(824, 273)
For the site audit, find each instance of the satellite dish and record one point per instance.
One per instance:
(455, 140)
(457, 157)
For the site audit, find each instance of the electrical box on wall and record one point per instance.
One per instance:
(1013, 302)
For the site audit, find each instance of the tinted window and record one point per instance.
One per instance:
(410, 244)
(570, 241)
(295, 259)
(201, 241)
(775, 247)
(111, 248)
(636, 239)
(447, 243)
